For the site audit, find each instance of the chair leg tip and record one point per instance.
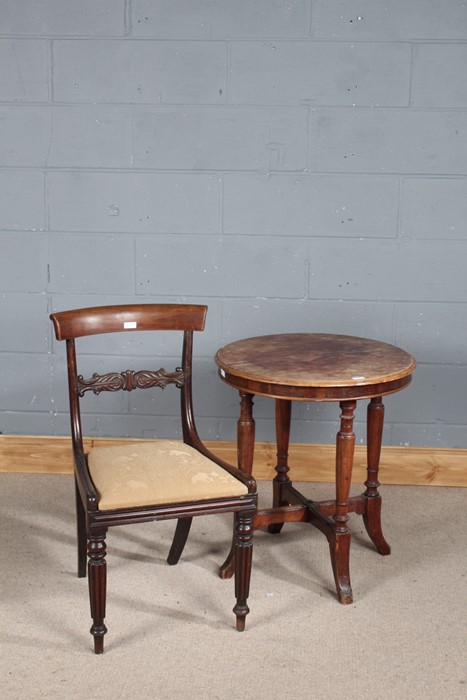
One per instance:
(345, 598)
(98, 633)
(241, 611)
(99, 645)
(240, 624)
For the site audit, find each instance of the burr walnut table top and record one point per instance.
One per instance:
(315, 366)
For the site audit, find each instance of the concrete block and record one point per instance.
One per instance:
(207, 429)
(434, 333)
(321, 205)
(231, 266)
(91, 264)
(320, 73)
(245, 318)
(320, 432)
(25, 135)
(322, 412)
(90, 136)
(102, 425)
(139, 202)
(434, 208)
(317, 432)
(138, 426)
(64, 17)
(398, 20)
(29, 423)
(430, 435)
(183, 18)
(391, 141)
(140, 72)
(22, 200)
(25, 318)
(25, 382)
(23, 263)
(24, 70)
(436, 395)
(60, 423)
(221, 138)
(439, 75)
(388, 270)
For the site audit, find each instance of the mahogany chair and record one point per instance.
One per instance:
(152, 480)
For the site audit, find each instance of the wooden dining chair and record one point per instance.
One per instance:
(150, 480)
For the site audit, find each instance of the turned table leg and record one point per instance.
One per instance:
(245, 452)
(372, 514)
(246, 434)
(340, 538)
(283, 418)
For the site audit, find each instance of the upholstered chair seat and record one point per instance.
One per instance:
(158, 472)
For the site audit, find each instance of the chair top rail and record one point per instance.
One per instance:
(129, 317)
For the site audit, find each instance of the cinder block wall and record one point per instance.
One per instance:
(297, 165)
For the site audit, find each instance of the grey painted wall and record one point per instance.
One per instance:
(298, 165)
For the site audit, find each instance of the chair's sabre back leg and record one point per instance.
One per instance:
(180, 537)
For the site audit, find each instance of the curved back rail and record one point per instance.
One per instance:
(130, 317)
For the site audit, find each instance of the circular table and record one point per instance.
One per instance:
(317, 367)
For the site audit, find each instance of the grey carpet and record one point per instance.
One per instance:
(171, 629)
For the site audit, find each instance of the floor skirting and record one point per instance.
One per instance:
(399, 465)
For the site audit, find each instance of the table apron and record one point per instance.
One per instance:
(311, 393)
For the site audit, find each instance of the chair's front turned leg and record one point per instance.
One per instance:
(97, 577)
(245, 452)
(243, 546)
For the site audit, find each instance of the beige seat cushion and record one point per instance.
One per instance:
(159, 472)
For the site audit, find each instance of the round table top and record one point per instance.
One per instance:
(315, 365)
